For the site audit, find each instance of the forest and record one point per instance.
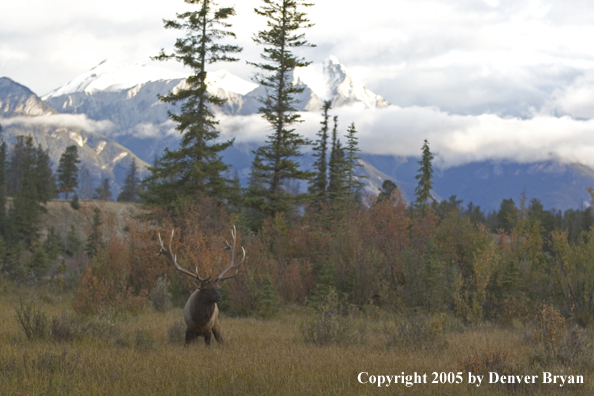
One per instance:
(333, 267)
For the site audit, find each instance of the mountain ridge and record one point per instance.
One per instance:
(101, 156)
(139, 123)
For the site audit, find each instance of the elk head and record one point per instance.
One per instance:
(201, 312)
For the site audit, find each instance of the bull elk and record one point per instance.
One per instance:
(201, 312)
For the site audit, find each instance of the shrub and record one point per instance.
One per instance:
(67, 327)
(33, 322)
(550, 329)
(558, 344)
(266, 299)
(575, 349)
(144, 341)
(160, 297)
(331, 323)
(177, 332)
(418, 332)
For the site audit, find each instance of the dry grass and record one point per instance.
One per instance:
(259, 358)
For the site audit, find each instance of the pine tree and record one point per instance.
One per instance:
(68, 170)
(352, 161)
(197, 164)
(319, 184)
(336, 168)
(32, 186)
(131, 187)
(424, 176)
(46, 180)
(94, 244)
(276, 167)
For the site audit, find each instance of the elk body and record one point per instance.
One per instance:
(201, 312)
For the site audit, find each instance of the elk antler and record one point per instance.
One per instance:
(173, 259)
(231, 266)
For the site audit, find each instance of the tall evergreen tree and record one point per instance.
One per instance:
(276, 166)
(131, 187)
(33, 184)
(46, 180)
(197, 165)
(352, 161)
(319, 184)
(425, 178)
(68, 170)
(337, 183)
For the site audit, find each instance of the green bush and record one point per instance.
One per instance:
(331, 323)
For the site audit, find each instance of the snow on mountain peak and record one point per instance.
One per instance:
(109, 76)
(332, 81)
(229, 82)
(333, 59)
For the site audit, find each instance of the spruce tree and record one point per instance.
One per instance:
(197, 165)
(276, 167)
(336, 168)
(68, 170)
(425, 178)
(46, 180)
(130, 190)
(319, 184)
(352, 161)
(33, 184)
(94, 244)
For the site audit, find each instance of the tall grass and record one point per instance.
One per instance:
(258, 358)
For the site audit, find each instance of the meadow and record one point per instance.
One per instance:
(144, 353)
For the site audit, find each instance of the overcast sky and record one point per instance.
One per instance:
(485, 79)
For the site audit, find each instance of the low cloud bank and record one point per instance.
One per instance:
(75, 121)
(454, 139)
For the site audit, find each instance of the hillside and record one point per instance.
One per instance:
(62, 217)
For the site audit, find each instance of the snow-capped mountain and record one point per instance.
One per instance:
(332, 81)
(129, 111)
(24, 113)
(108, 76)
(127, 95)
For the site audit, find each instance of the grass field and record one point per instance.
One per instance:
(258, 358)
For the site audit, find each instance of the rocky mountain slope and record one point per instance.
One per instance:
(18, 100)
(127, 95)
(24, 113)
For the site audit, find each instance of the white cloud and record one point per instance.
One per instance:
(575, 99)
(454, 139)
(490, 79)
(76, 121)
(148, 130)
(398, 48)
